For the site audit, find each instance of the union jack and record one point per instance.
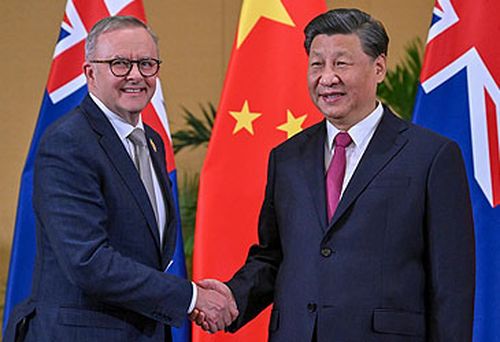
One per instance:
(459, 97)
(454, 44)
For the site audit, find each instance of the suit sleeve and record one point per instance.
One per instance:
(450, 248)
(72, 215)
(253, 284)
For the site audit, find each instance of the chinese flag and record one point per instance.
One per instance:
(264, 102)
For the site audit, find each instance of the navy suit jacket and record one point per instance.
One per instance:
(396, 263)
(99, 267)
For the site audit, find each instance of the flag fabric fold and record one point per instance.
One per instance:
(66, 87)
(459, 97)
(264, 101)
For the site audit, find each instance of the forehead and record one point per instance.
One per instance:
(337, 44)
(126, 42)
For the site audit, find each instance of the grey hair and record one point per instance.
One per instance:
(113, 23)
(371, 32)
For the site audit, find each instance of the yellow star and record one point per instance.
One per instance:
(293, 124)
(244, 119)
(253, 10)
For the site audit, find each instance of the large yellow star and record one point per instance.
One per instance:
(293, 124)
(244, 119)
(253, 10)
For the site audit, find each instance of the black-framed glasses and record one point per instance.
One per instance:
(121, 67)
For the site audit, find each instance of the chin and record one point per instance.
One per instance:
(331, 113)
(334, 116)
(136, 106)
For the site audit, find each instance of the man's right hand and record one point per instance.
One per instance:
(215, 306)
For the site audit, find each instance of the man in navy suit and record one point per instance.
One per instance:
(104, 213)
(390, 257)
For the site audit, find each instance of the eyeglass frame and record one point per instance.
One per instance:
(132, 62)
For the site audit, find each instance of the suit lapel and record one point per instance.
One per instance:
(120, 159)
(312, 160)
(385, 144)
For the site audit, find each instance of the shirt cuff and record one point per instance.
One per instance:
(193, 298)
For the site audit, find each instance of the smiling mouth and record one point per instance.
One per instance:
(133, 90)
(331, 98)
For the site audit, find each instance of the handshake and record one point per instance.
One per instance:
(215, 307)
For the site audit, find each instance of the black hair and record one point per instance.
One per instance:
(371, 32)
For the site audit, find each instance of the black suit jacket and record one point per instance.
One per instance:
(396, 263)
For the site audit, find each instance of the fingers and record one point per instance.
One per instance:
(215, 307)
(200, 319)
(223, 289)
(233, 310)
(197, 316)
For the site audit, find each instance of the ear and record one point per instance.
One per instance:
(88, 71)
(380, 64)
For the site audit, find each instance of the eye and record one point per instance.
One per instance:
(147, 63)
(120, 63)
(342, 64)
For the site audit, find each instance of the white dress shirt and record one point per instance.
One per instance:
(361, 134)
(123, 129)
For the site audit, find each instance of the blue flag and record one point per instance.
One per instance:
(459, 97)
(66, 87)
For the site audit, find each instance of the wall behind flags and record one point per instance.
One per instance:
(196, 38)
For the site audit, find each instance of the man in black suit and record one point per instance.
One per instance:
(366, 232)
(105, 221)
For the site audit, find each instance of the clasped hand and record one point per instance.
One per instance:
(215, 307)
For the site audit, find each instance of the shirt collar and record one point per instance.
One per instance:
(360, 131)
(122, 127)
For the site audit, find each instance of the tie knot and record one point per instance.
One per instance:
(343, 139)
(138, 137)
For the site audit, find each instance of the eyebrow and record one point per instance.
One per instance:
(341, 53)
(130, 59)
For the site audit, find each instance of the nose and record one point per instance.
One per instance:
(134, 72)
(328, 77)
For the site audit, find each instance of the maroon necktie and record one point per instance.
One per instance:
(336, 172)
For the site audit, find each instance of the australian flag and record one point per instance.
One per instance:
(66, 87)
(460, 98)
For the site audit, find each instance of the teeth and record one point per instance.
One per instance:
(332, 97)
(132, 90)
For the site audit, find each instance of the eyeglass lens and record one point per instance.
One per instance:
(147, 67)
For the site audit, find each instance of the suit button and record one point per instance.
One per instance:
(311, 307)
(326, 252)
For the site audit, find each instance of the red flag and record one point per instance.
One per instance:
(264, 102)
